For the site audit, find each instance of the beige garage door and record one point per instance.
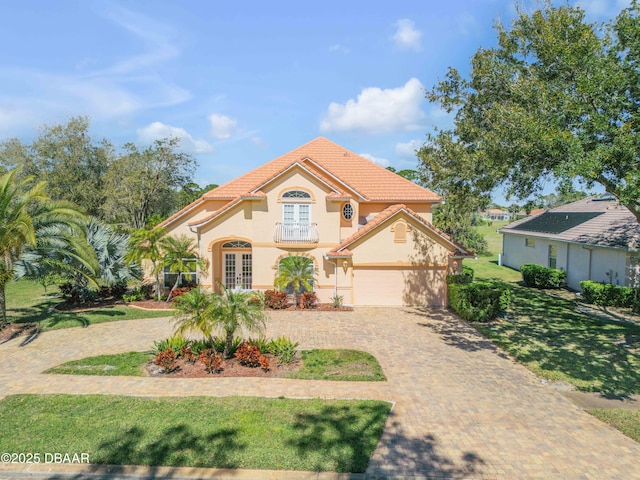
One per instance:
(392, 286)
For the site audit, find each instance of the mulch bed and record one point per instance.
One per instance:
(14, 330)
(232, 368)
(87, 306)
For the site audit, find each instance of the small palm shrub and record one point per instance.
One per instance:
(337, 301)
(174, 343)
(283, 348)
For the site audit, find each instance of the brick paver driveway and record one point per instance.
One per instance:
(462, 408)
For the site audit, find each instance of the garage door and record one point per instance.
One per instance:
(393, 286)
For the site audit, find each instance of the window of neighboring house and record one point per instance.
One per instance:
(347, 211)
(186, 278)
(553, 251)
(530, 242)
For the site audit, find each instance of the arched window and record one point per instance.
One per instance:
(236, 244)
(297, 194)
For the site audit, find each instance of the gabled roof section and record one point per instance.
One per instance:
(598, 221)
(386, 214)
(335, 165)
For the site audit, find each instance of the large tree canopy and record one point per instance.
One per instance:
(557, 100)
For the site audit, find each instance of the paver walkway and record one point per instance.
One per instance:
(463, 409)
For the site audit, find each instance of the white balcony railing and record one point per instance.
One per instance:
(296, 233)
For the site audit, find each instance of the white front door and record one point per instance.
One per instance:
(237, 270)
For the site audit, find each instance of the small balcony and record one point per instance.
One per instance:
(302, 233)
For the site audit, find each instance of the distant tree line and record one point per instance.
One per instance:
(130, 187)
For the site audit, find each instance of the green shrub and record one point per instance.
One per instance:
(218, 343)
(465, 277)
(607, 295)
(538, 276)
(261, 342)
(174, 343)
(479, 301)
(134, 295)
(337, 301)
(282, 347)
(199, 346)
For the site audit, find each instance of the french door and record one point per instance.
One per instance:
(238, 270)
(296, 221)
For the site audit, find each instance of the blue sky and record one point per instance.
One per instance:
(245, 81)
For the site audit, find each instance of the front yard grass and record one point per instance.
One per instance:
(543, 331)
(227, 432)
(27, 302)
(627, 421)
(347, 365)
(131, 364)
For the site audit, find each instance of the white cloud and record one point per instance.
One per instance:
(383, 162)
(408, 150)
(159, 130)
(378, 110)
(338, 48)
(222, 126)
(407, 36)
(603, 8)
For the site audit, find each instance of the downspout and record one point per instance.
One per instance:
(335, 275)
(197, 232)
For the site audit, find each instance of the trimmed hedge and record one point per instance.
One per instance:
(538, 276)
(607, 295)
(479, 301)
(465, 277)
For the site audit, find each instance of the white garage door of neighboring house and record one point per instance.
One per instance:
(393, 287)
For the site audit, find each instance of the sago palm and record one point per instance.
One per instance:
(295, 272)
(194, 313)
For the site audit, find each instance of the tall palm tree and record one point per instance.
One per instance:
(227, 312)
(27, 217)
(295, 272)
(179, 255)
(144, 245)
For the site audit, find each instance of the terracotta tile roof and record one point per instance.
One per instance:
(343, 253)
(327, 160)
(388, 213)
(201, 221)
(611, 225)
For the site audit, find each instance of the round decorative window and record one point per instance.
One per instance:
(347, 211)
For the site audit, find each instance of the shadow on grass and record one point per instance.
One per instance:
(175, 446)
(331, 432)
(602, 355)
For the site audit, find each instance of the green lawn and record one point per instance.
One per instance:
(627, 421)
(220, 432)
(546, 334)
(28, 302)
(130, 364)
(346, 365)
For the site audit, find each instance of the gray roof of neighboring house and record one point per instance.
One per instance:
(599, 221)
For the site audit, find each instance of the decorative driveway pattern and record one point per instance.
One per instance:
(463, 409)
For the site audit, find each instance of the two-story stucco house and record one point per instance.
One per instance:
(367, 229)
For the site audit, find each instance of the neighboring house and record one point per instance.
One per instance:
(367, 230)
(496, 214)
(591, 239)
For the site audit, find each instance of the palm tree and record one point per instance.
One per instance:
(295, 272)
(180, 255)
(229, 311)
(235, 310)
(28, 217)
(144, 244)
(194, 313)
